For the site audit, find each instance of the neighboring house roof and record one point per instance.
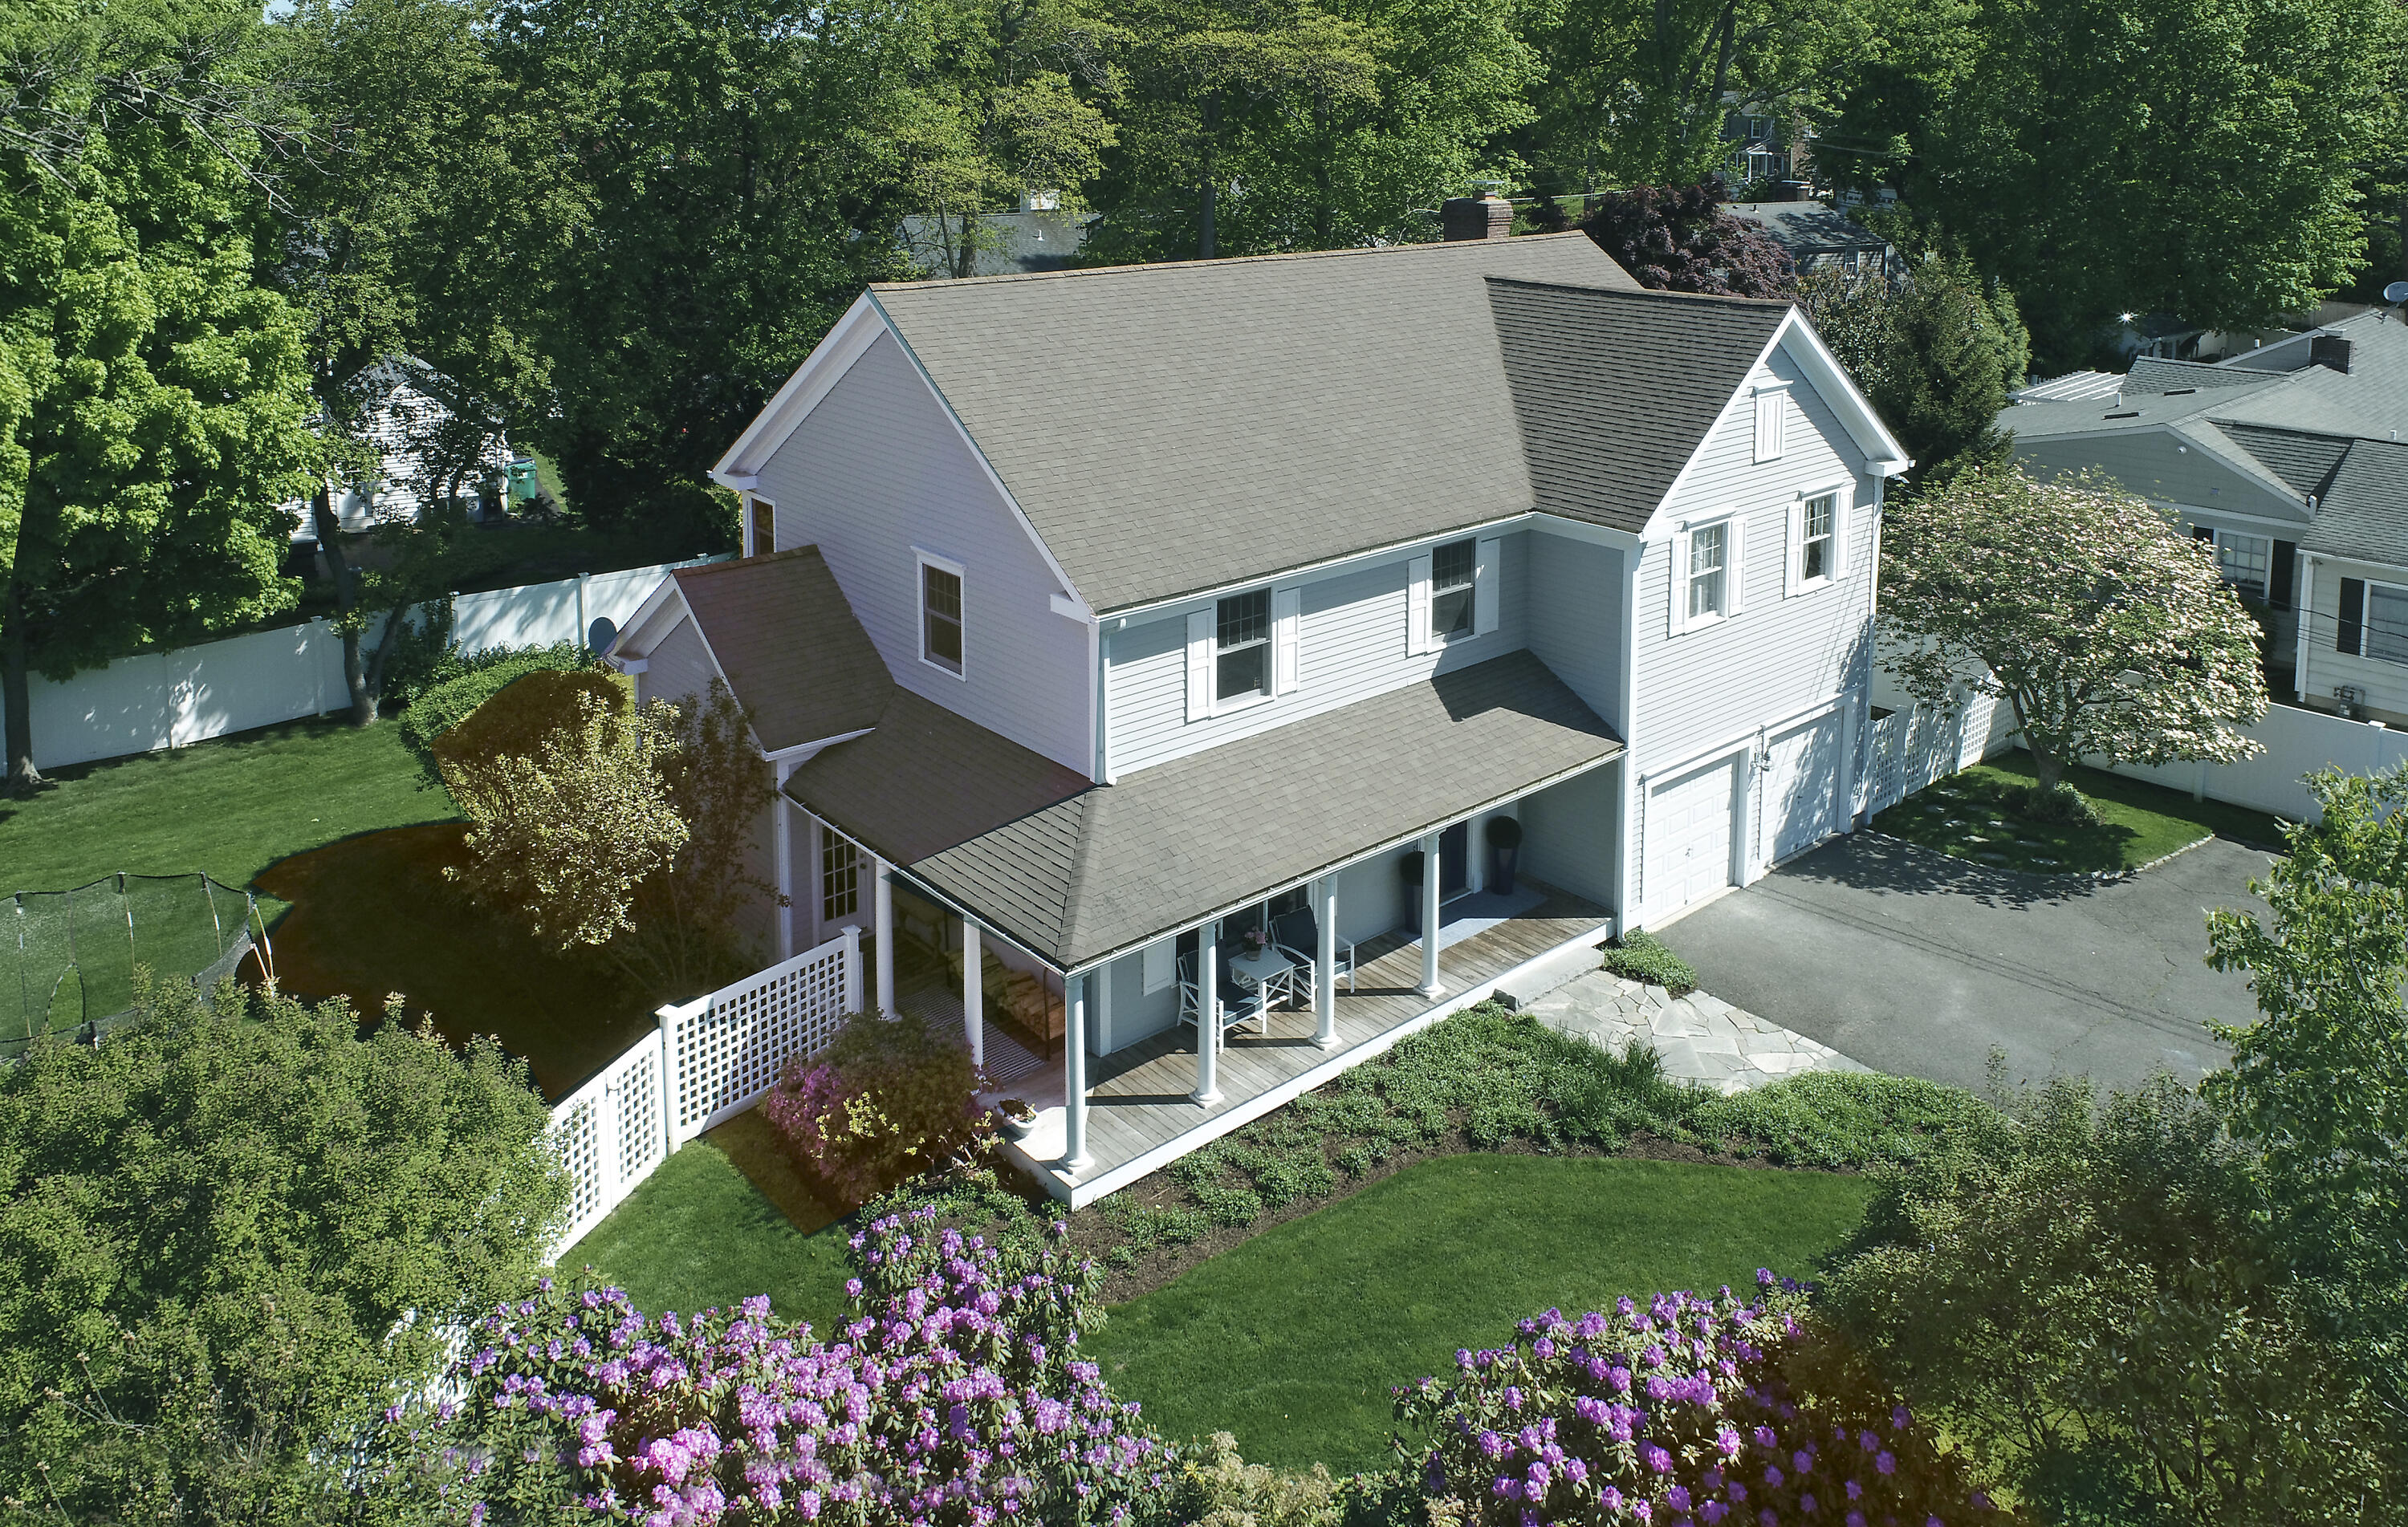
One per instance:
(1808, 229)
(1178, 427)
(1098, 869)
(758, 615)
(1576, 358)
(2263, 432)
(2074, 386)
(1014, 243)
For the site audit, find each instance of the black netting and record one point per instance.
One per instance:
(67, 957)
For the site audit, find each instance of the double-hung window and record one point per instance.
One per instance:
(1453, 570)
(762, 532)
(2247, 562)
(940, 614)
(2386, 622)
(1819, 521)
(1709, 572)
(1241, 647)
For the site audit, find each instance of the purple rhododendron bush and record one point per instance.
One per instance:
(1690, 1412)
(954, 1395)
(888, 1099)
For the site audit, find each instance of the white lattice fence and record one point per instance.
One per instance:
(726, 1049)
(610, 1134)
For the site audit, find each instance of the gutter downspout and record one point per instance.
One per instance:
(1627, 838)
(2307, 609)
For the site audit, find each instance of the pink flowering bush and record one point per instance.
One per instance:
(1692, 1412)
(887, 1100)
(955, 1398)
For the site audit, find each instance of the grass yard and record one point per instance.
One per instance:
(1964, 816)
(698, 1234)
(230, 807)
(1293, 1339)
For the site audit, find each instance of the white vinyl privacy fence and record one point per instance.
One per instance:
(139, 704)
(708, 1060)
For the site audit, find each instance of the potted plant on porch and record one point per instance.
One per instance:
(1504, 848)
(1016, 1118)
(1409, 866)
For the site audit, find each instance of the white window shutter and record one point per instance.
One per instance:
(1680, 550)
(1735, 581)
(1839, 533)
(1768, 425)
(1417, 606)
(1483, 587)
(1793, 571)
(1158, 965)
(1199, 665)
(1285, 620)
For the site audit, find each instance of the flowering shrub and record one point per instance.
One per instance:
(1691, 1411)
(888, 1099)
(958, 1400)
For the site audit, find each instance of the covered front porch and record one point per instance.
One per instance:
(1141, 1108)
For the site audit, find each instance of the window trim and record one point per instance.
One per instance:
(1230, 704)
(2215, 538)
(754, 505)
(2366, 621)
(1841, 493)
(1733, 522)
(922, 560)
(1470, 589)
(830, 841)
(1770, 398)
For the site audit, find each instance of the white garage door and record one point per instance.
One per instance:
(1689, 838)
(1801, 787)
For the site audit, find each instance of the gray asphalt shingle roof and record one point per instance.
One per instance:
(1173, 428)
(1099, 869)
(1580, 358)
(757, 614)
(2365, 512)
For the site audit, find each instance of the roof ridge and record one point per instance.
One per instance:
(789, 554)
(1743, 304)
(1221, 263)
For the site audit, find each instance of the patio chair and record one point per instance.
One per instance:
(1298, 938)
(1247, 1008)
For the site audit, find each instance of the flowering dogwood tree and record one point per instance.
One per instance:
(2110, 632)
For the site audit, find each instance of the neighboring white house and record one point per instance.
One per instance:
(1092, 620)
(402, 413)
(2288, 457)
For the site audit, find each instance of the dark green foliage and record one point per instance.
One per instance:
(2087, 1299)
(2058, 806)
(229, 1236)
(1641, 956)
(458, 685)
(1845, 1120)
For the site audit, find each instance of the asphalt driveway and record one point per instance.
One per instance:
(1914, 963)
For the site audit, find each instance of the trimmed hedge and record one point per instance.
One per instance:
(1641, 956)
(473, 679)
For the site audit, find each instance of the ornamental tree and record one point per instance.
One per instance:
(2110, 632)
(1677, 239)
(2320, 1082)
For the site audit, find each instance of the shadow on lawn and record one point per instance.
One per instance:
(373, 915)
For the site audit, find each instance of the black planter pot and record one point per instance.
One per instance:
(1410, 867)
(1500, 868)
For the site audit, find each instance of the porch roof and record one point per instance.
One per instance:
(1109, 867)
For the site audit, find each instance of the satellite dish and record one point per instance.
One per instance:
(600, 634)
(2396, 291)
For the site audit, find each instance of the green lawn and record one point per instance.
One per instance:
(1963, 814)
(230, 807)
(1293, 1339)
(697, 1236)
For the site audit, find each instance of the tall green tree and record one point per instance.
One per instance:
(233, 1233)
(2195, 157)
(156, 395)
(738, 173)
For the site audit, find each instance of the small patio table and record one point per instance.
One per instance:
(1266, 971)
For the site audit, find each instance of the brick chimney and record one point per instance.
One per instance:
(1476, 217)
(2327, 349)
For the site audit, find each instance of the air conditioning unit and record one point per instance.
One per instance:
(2346, 700)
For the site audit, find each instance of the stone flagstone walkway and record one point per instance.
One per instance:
(1701, 1037)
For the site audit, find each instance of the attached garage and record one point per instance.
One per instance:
(1802, 787)
(1688, 852)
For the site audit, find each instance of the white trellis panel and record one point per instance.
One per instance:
(726, 1049)
(610, 1134)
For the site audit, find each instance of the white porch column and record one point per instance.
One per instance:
(851, 936)
(1430, 877)
(1074, 1077)
(782, 833)
(974, 992)
(1325, 963)
(883, 902)
(1208, 1017)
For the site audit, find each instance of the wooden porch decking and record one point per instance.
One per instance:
(1137, 1098)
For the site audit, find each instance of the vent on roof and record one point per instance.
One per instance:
(2180, 392)
(2128, 413)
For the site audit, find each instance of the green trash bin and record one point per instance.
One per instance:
(524, 485)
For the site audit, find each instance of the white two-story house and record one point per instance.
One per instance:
(1097, 622)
